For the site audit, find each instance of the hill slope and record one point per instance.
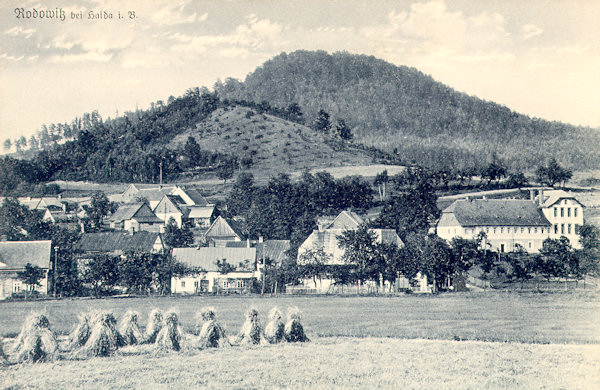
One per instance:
(399, 108)
(274, 144)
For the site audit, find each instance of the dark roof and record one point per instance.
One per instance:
(117, 241)
(196, 196)
(16, 254)
(206, 257)
(273, 249)
(497, 212)
(223, 228)
(141, 212)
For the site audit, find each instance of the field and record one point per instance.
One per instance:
(462, 340)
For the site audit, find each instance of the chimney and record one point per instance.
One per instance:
(247, 243)
(532, 195)
(541, 197)
(82, 225)
(260, 239)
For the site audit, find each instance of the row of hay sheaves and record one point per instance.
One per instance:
(98, 334)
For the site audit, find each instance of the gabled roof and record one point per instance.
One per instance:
(153, 194)
(140, 212)
(16, 254)
(170, 204)
(553, 196)
(201, 211)
(117, 241)
(195, 196)
(273, 249)
(346, 220)
(223, 228)
(206, 257)
(497, 212)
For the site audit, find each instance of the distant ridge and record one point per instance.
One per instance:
(400, 109)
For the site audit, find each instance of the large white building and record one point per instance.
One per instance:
(508, 223)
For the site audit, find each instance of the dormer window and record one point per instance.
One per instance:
(556, 211)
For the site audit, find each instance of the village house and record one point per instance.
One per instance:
(154, 194)
(118, 243)
(14, 256)
(135, 217)
(222, 231)
(172, 206)
(209, 278)
(202, 216)
(511, 223)
(325, 239)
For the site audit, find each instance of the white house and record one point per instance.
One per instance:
(325, 238)
(511, 222)
(209, 278)
(135, 217)
(14, 255)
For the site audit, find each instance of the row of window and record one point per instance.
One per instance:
(568, 229)
(509, 229)
(562, 212)
(241, 283)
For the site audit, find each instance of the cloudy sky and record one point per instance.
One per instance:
(541, 58)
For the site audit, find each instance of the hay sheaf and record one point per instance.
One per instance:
(251, 331)
(104, 339)
(82, 331)
(36, 342)
(211, 333)
(274, 331)
(294, 331)
(153, 327)
(129, 328)
(170, 336)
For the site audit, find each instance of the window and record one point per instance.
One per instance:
(562, 212)
(241, 283)
(501, 230)
(529, 243)
(562, 228)
(502, 248)
(528, 230)
(522, 229)
(196, 283)
(556, 212)
(494, 230)
(575, 211)
(568, 211)
(182, 283)
(569, 229)
(555, 229)
(535, 230)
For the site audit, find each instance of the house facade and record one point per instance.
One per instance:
(222, 231)
(14, 256)
(135, 217)
(209, 279)
(510, 223)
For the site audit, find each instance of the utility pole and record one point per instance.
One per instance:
(54, 271)
(160, 168)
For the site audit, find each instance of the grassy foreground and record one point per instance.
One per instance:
(328, 363)
(565, 317)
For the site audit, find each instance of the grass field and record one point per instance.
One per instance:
(517, 340)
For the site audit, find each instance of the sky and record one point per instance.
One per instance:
(540, 58)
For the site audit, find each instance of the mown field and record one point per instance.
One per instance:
(463, 340)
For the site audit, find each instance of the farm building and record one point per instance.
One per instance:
(222, 231)
(325, 239)
(135, 217)
(119, 242)
(209, 277)
(509, 223)
(171, 206)
(14, 256)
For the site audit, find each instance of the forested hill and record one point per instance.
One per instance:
(400, 109)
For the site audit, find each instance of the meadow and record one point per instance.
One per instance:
(463, 340)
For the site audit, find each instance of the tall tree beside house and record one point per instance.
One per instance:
(178, 237)
(589, 255)
(241, 195)
(98, 209)
(166, 267)
(31, 276)
(136, 271)
(521, 264)
(101, 273)
(313, 264)
(465, 255)
(553, 173)
(361, 250)
(555, 259)
(224, 267)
